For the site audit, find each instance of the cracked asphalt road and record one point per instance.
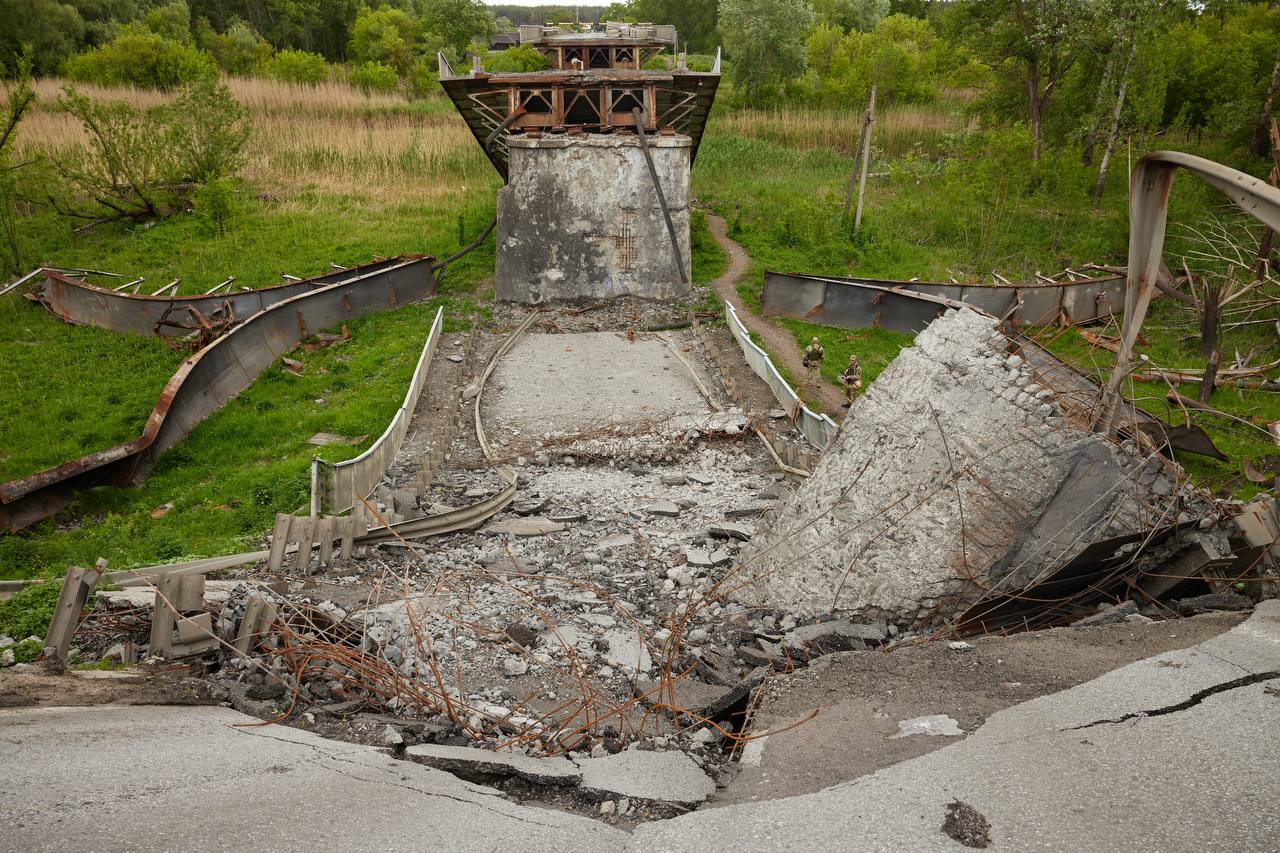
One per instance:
(1203, 777)
(1180, 753)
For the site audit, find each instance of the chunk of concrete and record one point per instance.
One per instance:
(669, 777)
(729, 530)
(664, 508)
(935, 725)
(837, 635)
(1113, 615)
(471, 764)
(525, 527)
(1215, 601)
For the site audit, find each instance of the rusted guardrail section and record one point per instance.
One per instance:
(207, 380)
(84, 304)
(818, 429)
(829, 299)
(336, 487)
(1148, 214)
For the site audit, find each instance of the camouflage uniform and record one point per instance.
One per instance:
(813, 356)
(851, 379)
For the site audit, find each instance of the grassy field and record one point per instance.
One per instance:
(337, 176)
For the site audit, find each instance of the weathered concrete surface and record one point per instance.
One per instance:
(163, 778)
(1054, 774)
(956, 466)
(587, 380)
(580, 218)
(667, 776)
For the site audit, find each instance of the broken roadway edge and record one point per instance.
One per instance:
(1175, 752)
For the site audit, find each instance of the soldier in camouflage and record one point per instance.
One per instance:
(851, 379)
(813, 356)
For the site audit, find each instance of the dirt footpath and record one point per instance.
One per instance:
(780, 343)
(861, 697)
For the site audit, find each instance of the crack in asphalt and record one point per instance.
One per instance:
(1195, 699)
(329, 757)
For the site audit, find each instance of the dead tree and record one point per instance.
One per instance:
(1115, 126)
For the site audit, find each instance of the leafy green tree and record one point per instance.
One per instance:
(171, 21)
(695, 20)
(456, 23)
(1034, 43)
(861, 15)
(19, 98)
(899, 57)
(298, 66)
(139, 57)
(147, 163)
(766, 40)
(54, 30)
(240, 50)
(385, 36)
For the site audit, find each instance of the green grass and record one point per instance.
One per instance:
(71, 390)
(1172, 344)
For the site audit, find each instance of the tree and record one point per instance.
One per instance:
(386, 37)
(1036, 38)
(20, 97)
(240, 50)
(767, 41)
(139, 57)
(695, 20)
(171, 21)
(54, 30)
(456, 23)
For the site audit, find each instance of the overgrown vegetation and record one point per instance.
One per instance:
(334, 172)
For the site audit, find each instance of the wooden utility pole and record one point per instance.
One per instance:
(866, 157)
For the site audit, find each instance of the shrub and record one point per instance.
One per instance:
(374, 77)
(522, 59)
(147, 163)
(209, 128)
(298, 66)
(137, 57)
(215, 203)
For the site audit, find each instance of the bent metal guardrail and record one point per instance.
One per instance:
(1148, 214)
(335, 487)
(207, 380)
(83, 304)
(818, 430)
(827, 299)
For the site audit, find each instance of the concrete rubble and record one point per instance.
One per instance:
(601, 645)
(960, 474)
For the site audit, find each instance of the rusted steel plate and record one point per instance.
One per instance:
(86, 305)
(211, 377)
(819, 297)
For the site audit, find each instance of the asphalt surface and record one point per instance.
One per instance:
(1179, 751)
(1069, 771)
(163, 778)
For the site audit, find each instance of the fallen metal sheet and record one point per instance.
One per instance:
(1101, 572)
(826, 299)
(139, 314)
(210, 378)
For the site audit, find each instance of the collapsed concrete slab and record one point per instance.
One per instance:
(960, 475)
